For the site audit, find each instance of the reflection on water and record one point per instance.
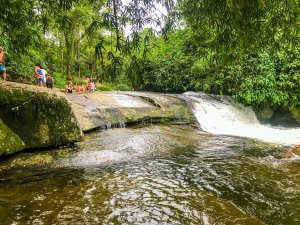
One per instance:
(153, 175)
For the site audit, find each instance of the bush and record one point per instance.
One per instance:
(79, 81)
(60, 80)
(113, 87)
(122, 87)
(105, 87)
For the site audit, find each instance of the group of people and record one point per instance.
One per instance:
(2, 63)
(42, 77)
(80, 88)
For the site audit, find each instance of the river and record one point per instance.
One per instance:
(152, 175)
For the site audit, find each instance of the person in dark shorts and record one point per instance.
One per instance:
(49, 81)
(2, 63)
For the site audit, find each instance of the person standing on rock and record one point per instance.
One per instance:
(36, 68)
(40, 78)
(2, 63)
(44, 73)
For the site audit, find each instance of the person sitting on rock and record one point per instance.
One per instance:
(290, 151)
(76, 87)
(69, 87)
(81, 88)
(49, 81)
(89, 86)
(93, 87)
(2, 63)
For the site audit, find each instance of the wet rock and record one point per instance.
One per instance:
(112, 109)
(285, 117)
(264, 112)
(9, 141)
(39, 116)
(295, 112)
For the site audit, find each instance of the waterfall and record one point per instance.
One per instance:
(225, 117)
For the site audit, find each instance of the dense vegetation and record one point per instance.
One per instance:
(247, 49)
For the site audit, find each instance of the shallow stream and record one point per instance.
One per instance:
(152, 175)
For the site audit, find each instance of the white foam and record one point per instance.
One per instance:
(225, 118)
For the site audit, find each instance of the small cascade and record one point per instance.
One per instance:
(226, 117)
(108, 125)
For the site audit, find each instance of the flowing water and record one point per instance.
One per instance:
(224, 116)
(152, 175)
(157, 175)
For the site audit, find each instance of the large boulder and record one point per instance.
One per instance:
(9, 141)
(39, 116)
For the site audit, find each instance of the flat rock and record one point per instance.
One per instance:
(114, 109)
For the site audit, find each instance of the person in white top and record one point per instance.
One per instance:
(93, 86)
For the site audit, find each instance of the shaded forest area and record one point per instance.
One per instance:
(246, 49)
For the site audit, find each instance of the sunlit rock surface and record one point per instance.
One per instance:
(39, 116)
(115, 109)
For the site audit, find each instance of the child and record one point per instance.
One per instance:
(93, 87)
(76, 87)
(81, 88)
(89, 86)
(49, 81)
(69, 87)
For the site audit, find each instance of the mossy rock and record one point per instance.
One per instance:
(264, 112)
(295, 113)
(39, 116)
(9, 141)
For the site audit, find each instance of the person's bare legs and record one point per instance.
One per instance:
(290, 151)
(4, 75)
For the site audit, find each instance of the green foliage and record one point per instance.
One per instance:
(113, 87)
(251, 24)
(105, 87)
(78, 80)
(253, 77)
(121, 87)
(246, 49)
(60, 80)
